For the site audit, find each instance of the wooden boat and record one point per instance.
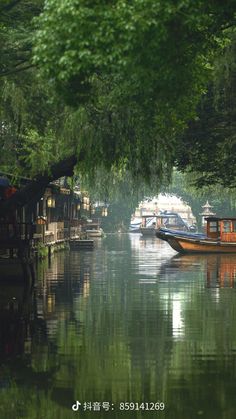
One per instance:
(148, 225)
(95, 232)
(135, 224)
(152, 223)
(93, 229)
(220, 237)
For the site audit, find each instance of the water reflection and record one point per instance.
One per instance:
(128, 321)
(15, 314)
(149, 254)
(219, 269)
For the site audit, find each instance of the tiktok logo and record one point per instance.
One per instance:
(76, 406)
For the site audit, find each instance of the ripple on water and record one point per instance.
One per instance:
(130, 320)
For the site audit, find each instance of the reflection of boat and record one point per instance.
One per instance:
(220, 238)
(220, 269)
(171, 220)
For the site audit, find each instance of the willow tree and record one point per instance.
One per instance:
(208, 146)
(138, 69)
(31, 119)
(135, 71)
(118, 81)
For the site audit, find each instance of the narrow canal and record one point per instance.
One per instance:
(128, 330)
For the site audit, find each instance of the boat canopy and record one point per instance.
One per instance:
(165, 219)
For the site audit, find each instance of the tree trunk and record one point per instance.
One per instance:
(34, 190)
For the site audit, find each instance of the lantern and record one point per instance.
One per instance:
(104, 212)
(51, 202)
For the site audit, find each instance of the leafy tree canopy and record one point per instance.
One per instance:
(137, 69)
(221, 198)
(208, 146)
(162, 46)
(129, 76)
(16, 28)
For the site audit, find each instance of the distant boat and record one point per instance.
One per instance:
(148, 225)
(220, 237)
(173, 220)
(93, 229)
(135, 224)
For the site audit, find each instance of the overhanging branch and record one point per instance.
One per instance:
(35, 189)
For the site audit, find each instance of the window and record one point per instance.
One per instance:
(226, 226)
(234, 225)
(213, 227)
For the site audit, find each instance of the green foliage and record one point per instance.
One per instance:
(35, 154)
(16, 34)
(163, 47)
(209, 144)
(119, 190)
(22, 116)
(137, 68)
(31, 119)
(31, 135)
(221, 198)
(42, 251)
(131, 74)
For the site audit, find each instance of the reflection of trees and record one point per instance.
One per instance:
(20, 330)
(35, 362)
(100, 335)
(15, 309)
(204, 361)
(115, 355)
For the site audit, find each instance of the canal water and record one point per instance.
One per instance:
(128, 330)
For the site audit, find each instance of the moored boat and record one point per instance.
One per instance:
(152, 223)
(93, 229)
(164, 233)
(135, 224)
(220, 237)
(95, 232)
(148, 225)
